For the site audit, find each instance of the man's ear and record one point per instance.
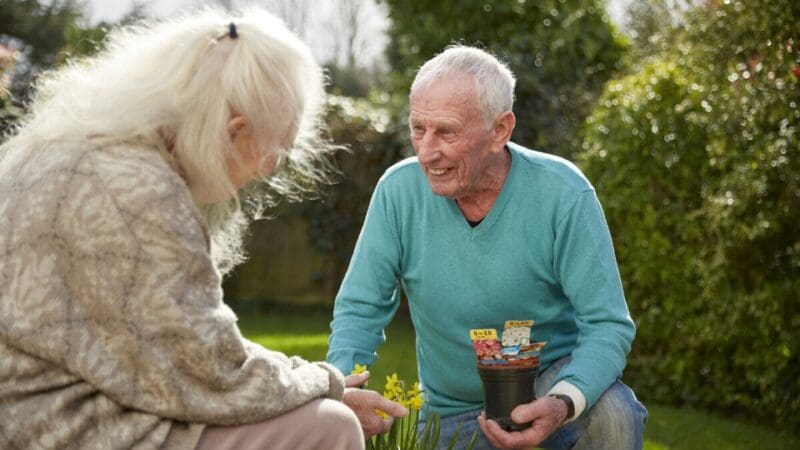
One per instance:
(236, 125)
(503, 127)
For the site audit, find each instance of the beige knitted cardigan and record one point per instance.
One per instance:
(113, 333)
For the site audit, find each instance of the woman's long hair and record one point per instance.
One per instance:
(175, 84)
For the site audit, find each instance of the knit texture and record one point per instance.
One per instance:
(543, 253)
(113, 333)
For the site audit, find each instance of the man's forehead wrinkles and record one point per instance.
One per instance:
(435, 119)
(456, 98)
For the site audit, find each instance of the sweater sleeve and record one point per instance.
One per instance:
(145, 322)
(587, 268)
(368, 297)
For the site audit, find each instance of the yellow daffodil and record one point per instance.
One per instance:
(402, 434)
(358, 369)
(393, 388)
(415, 403)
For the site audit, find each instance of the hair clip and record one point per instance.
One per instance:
(232, 33)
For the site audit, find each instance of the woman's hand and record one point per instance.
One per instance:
(364, 403)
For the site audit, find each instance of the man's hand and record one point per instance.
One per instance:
(547, 415)
(364, 403)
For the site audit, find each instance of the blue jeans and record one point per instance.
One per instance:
(615, 422)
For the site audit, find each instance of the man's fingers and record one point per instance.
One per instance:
(500, 438)
(490, 429)
(526, 413)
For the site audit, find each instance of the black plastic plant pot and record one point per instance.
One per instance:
(505, 388)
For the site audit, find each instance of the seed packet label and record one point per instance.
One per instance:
(487, 348)
(483, 334)
(515, 347)
(533, 346)
(512, 350)
(516, 336)
(517, 332)
(519, 323)
(524, 355)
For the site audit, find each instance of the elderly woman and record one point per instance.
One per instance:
(121, 203)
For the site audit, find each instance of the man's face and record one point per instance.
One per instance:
(450, 137)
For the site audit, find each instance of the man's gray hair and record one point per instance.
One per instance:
(493, 79)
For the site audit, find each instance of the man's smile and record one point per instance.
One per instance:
(433, 171)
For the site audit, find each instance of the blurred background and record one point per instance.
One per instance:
(684, 115)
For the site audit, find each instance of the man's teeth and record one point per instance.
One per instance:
(437, 171)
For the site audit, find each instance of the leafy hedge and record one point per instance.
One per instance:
(696, 159)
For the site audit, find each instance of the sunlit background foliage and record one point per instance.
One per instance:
(694, 153)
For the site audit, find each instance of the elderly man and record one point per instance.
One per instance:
(497, 232)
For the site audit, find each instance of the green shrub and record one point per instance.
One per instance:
(695, 158)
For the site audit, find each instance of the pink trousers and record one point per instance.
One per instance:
(320, 424)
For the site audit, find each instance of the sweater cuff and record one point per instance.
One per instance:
(570, 390)
(335, 381)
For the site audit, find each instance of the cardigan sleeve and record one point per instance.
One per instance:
(144, 320)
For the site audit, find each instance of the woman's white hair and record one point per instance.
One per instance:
(176, 84)
(494, 81)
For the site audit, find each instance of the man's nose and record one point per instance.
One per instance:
(428, 149)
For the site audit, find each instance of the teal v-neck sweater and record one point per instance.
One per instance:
(544, 253)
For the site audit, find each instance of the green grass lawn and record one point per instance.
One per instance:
(667, 429)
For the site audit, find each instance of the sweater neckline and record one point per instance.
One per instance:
(499, 205)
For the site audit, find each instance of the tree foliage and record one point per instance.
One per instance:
(41, 34)
(696, 159)
(40, 25)
(8, 112)
(652, 26)
(37, 29)
(562, 52)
